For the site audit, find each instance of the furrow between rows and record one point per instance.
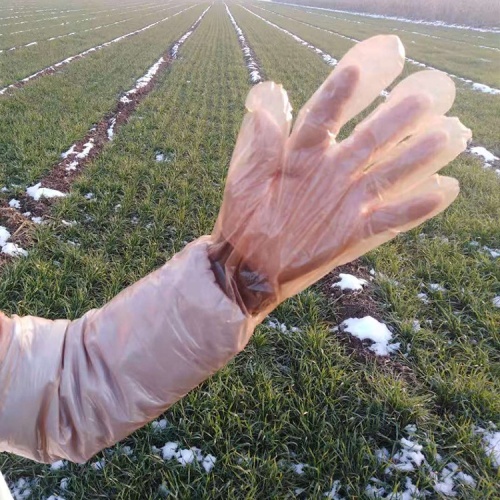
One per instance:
(329, 59)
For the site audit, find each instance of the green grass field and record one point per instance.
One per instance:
(306, 409)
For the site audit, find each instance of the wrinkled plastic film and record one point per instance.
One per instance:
(70, 389)
(304, 203)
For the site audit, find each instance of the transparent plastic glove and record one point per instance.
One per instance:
(298, 204)
(295, 206)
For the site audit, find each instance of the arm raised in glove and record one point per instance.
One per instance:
(295, 206)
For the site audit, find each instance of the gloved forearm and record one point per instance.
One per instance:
(69, 389)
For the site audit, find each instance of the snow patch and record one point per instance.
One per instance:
(333, 493)
(349, 282)
(21, 489)
(491, 444)
(368, 328)
(37, 192)
(8, 247)
(4, 236)
(299, 468)
(409, 458)
(187, 456)
(111, 129)
(99, 464)
(60, 464)
(159, 425)
(496, 301)
(15, 203)
(436, 287)
(487, 156)
(495, 253)
(281, 327)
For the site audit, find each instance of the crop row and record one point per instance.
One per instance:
(63, 52)
(59, 109)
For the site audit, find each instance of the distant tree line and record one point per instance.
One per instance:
(479, 13)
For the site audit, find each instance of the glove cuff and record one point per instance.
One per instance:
(250, 289)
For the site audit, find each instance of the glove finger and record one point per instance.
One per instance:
(320, 119)
(367, 69)
(409, 107)
(388, 219)
(417, 158)
(426, 200)
(266, 125)
(274, 99)
(257, 157)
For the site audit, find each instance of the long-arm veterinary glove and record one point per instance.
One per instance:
(295, 206)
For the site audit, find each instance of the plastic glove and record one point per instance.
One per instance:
(297, 205)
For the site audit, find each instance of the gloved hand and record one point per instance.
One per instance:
(297, 205)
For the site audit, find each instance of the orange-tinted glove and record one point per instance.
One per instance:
(297, 205)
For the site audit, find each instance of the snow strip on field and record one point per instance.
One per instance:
(476, 86)
(33, 21)
(70, 59)
(369, 328)
(175, 49)
(153, 70)
(435, 37)
(410, 459)
(330, 60)
(253, 68)
(77, 21)
(441, 24)
(51, 26)
(69, 15)
(187, 456)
